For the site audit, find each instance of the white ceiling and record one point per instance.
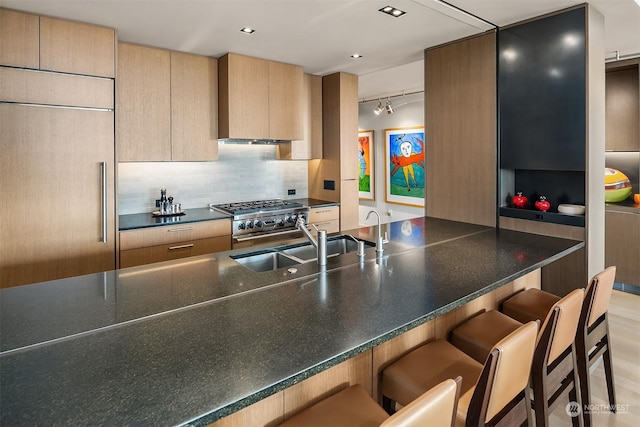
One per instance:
(321, 35)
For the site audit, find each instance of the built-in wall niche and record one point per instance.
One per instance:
(542, 95)
(559, 187)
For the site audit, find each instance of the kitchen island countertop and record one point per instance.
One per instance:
(191, 341)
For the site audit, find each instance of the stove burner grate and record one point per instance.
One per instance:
(238, 208)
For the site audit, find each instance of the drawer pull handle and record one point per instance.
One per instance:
(103, 166)
(174, 230)
(190, 245)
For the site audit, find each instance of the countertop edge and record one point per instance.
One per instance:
(625, 208)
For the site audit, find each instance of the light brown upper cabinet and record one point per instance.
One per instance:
(166, 105)
(243, 97)
(194, 107)
(143, 103)
(19, 39)
(310, 147)
(286, 87)
(259, 99)
(32, 41)
(622, 107)
(77, 48)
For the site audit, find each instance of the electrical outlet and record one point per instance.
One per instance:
(291, 192)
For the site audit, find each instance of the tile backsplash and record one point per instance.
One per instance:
(242, 172)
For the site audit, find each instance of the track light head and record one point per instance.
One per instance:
(389, 108)
(379, 109)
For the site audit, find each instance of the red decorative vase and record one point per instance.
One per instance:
(520, 201)
(542, 204)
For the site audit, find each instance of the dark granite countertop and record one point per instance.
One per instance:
(146, 219)
(314, 203)
(626, 207)
(190, 341)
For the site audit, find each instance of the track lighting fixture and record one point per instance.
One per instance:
(379, 109)
(389, 108)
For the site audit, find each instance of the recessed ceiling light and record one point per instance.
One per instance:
(393, 11)
(247, 30)
(356, 56)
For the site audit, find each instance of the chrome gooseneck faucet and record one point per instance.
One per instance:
(380, 242)
(320, 244)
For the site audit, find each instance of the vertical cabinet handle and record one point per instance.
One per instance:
(104, 203)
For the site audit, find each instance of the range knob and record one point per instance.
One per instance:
(241, 226)
(280, 222)
(258, 224)
(290, 218)
(249, 224)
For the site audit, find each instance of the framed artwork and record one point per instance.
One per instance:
(366, 153)
(404, 166)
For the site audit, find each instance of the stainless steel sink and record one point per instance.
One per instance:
(291, 255)
(336, 245)
(266, 261)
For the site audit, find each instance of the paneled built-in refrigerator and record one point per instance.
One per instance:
(56, 176)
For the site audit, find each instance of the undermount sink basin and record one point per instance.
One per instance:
(336, 245)
(291, 255)
(265, 261)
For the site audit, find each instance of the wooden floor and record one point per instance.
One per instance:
(624, 327)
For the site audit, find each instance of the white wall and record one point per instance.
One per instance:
(242, 172)
(410, 114)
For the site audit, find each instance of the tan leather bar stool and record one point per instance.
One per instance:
(592, 337)
(554, 369)
(490, 393)
(354, 407)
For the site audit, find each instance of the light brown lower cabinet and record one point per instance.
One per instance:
(622, 245)
(325, 218)
(151, 254)
(164, 243)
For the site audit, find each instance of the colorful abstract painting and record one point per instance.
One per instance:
(366, 151)
(405, 166)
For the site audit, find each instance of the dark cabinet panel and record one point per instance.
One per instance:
(542, 98)
(623, 108)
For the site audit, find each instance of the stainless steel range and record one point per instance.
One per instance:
(263, 221)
